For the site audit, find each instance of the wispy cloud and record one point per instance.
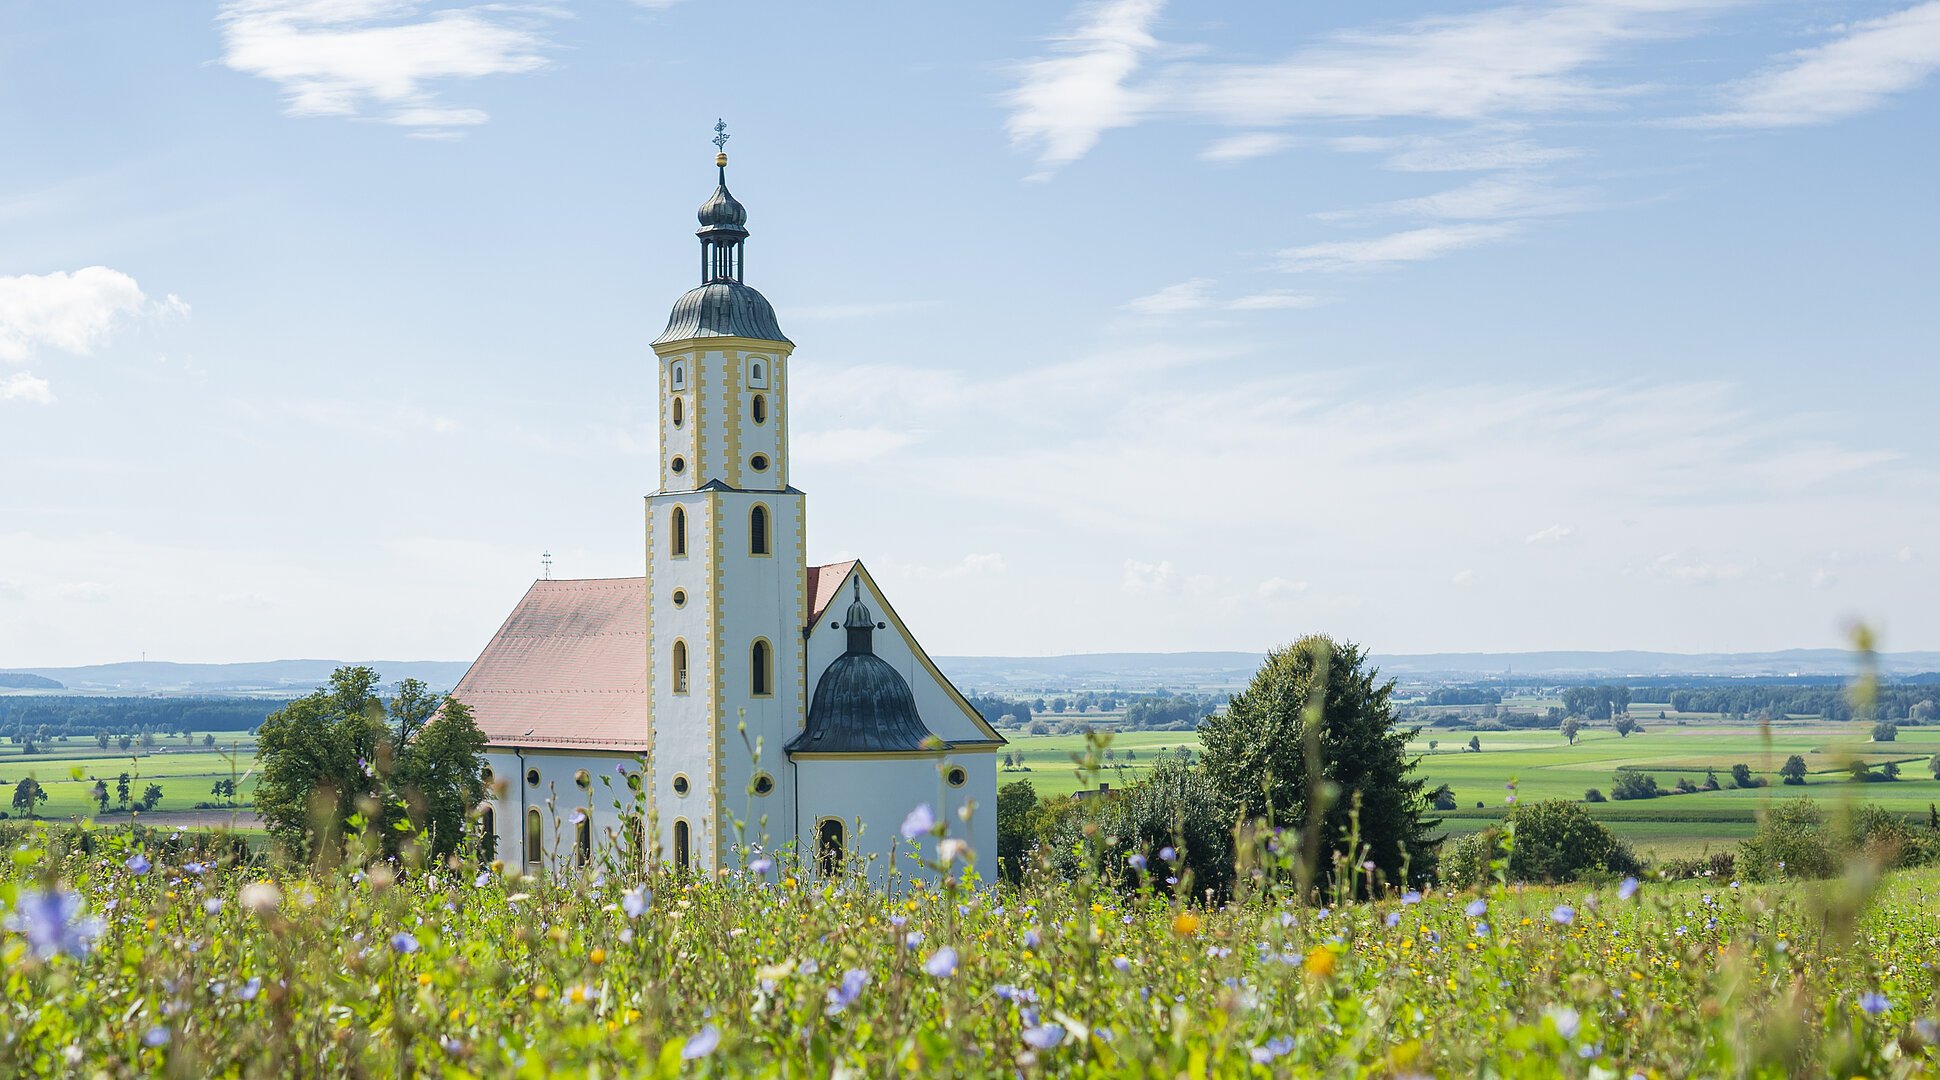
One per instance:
(1552, 535)
(1063, 103)
(1373, 253)
(381, 57)
(1873, 61)
(1197, 294)
(1498, 63)
(1483, 147)
(1509, 195)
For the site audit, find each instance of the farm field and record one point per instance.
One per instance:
(1543, 766)
(185, 771)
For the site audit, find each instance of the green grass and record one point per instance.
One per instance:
(1543, 766)
(186, 772)
(369, 969)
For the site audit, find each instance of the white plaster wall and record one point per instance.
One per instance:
(937, 706)
(879, 793)
(682, 724)
(556, 796)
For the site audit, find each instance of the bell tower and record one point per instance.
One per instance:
(726, 553)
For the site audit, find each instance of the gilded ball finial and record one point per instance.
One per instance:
(720, 160)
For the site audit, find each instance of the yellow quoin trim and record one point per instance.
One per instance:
(732, 399)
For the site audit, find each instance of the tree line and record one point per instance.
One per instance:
(52, 717)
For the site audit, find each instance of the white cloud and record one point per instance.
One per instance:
(1482, 148)
(1553, 534)
(71, 312)
(85, 592)
(1463, 577)
(1197, 294)
(1489, 198)
(24, 386)
(1275, 587)
(1875, 60)
(1246, 146)
(1062, 104)
(1905, 554)
(1143, 577)
(11, 590)
(1412, 245)
(1676, 566)
(1503, 61)
(354, 57)
(847, 446)
(1185, 296)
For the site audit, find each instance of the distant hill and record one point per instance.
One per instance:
(271, 677)
(1120, 671)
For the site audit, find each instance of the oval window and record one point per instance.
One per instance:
(679, 464)
(956, 776)
(532, 777)
(680, 597)
(680, 784)
(583, 780)
(763, 784)
(680, 413)
(759, 463)
(759, 408)
(486, 775)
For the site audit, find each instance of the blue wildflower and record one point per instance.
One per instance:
(402, 942)
(702, 1044)
(920, 820)
(942, 963)
(1563, 915)
(1477, 908)
(155, 1036)
(634, 901)
(844, 995)
(1168, 854)
(1873, 1002)
(1628, 888)
(137, 864)
(1043, 1037)
(52, 924)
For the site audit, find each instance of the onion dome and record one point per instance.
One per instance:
(723, 306)
(862, 704)
(722, 211)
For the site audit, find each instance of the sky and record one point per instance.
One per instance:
(1135, 325)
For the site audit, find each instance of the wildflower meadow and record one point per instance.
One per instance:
(137, 954)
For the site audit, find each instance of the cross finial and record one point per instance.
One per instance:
(721, 136)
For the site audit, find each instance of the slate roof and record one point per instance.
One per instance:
(862, 704)
(567, 670)
(722, 309)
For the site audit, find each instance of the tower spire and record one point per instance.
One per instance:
(724, 222)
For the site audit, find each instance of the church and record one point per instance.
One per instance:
(757, 702)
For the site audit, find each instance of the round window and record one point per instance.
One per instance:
(759, 462)
(583, 779)
(680, 597)
(679, 464)
(532, 777)
(680, 784)
(763, 783)
(486, 774)
(956, 776)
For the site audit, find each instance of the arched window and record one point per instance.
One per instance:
(758, 373)
(761, 677)
(534, 835)
(680, 412)
(758, 531)
(830, 845)
(488, 834)
(680, 667)
(678, 375)
(681, 854)
(679, 542)
(760, 408)
(583, 840)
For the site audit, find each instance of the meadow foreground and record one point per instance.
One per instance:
(127, 960)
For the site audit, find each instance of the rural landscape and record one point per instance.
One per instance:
(1115, 538)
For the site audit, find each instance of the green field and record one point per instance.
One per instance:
(1543, 766)
(185, 770)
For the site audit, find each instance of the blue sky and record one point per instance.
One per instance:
(1134, 325)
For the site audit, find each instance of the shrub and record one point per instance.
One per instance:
(1793, 771)
(1796, 839)
(1718, 864)
(1634, 785)
(1593, 795)
(1741, 776)
(1556, 841)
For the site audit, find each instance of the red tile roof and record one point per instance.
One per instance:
(568, 669)
(823, 584)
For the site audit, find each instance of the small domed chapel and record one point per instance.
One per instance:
(756, 698)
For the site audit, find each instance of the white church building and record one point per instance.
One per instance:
(756, 699)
